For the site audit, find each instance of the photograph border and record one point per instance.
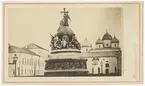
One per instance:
(33, 3)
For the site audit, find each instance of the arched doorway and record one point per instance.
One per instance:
(107, 71)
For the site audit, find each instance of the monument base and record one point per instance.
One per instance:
(66, 73)
(65, 67)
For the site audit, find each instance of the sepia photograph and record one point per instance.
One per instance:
(72, 42)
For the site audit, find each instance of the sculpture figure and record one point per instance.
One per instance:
(64, 43)
(55, 41)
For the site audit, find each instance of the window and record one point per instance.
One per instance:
(98, 70)
(86, 49)
(31, 62)
(27, 61)
(107, 65)
(38, 63)
(95, 61)
(22, 60)
(25, 71)
(115, 69)
(107, 45)
(107, 71)
(99, 46)
(115, 45)
(22, 71)
(92, 70)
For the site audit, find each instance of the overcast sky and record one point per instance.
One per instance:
(34, 24)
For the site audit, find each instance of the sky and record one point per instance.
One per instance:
(34, 24)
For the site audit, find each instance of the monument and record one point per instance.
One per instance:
(65, 59)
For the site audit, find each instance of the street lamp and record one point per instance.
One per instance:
(15, 58)
(101, 67)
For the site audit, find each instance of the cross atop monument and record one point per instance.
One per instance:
(64, 11)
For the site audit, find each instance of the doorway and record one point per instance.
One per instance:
(107, 71)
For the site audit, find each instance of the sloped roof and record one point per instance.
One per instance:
(34, 46)
(14, 49)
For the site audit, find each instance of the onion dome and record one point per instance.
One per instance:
(86, 43)
(64, 30)
(107, 36)
(115, 40)
(99, 41)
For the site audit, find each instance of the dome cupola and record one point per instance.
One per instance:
(99, 41)
(115, 40)
(86, 43)
(107, 36)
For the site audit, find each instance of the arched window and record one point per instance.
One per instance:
(107, 71)
(107, 65)
(98, 70)
(99, 46)
(95, 61)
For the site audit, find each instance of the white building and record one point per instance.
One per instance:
(27, 63)
(105, 58)
(42, 52)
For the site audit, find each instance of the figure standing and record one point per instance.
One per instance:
(55, 41)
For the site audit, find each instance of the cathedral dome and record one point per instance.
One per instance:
(107, 36)
(64, 30)
(99, 41)
(86, 43)
(115, 40)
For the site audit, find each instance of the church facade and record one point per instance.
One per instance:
(105, 57)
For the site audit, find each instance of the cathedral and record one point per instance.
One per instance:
(105, 57)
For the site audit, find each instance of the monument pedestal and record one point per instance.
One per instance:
(65, 64)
